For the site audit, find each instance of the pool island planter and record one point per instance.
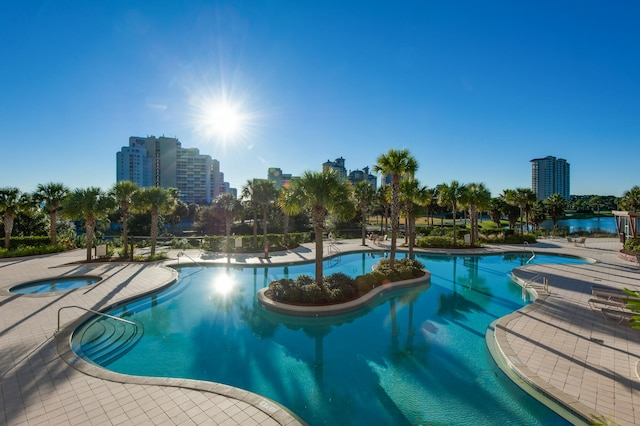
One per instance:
(340, 308)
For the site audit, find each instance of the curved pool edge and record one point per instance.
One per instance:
(507, 360)
(273, 409)
(7, 291)
(341, 308)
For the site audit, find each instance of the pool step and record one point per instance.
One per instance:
(106, 340)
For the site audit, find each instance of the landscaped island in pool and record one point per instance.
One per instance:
(416, 356)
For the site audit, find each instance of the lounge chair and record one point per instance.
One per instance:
(617, 315)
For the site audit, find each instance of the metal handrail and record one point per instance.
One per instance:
(530, 281)
(533, 254)
(97, 313)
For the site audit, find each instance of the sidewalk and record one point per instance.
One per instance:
(558, 342)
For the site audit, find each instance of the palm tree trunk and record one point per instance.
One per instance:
(455, 234)
(154, 231)
(52, 224)
(8, 228)
(90, 225)
(265, 242)
(319, 254)
(125, 237)
(364, 226)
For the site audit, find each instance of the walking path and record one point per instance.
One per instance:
(561, 345)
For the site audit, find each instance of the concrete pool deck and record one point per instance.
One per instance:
(558, 343)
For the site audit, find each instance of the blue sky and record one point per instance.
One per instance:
(474, 90)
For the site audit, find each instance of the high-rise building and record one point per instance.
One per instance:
(163, 162)
(280, 180)
(550, 175)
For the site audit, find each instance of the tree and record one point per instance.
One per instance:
(496, 207)
(319, 193)
(229, 209)
(412, 194)
(12, 201)
(477, 198)
(155, 201)
(122, 193)
(555, 206)
(523, 198)
(179, 212)
(91, 205)
(450, 195)
(248, 194)
(538, 214)
(264, 193)
(397, 163)
(363, 194)
(51, 196)
(630, 200)
(383, 198)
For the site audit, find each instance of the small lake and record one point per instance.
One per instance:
(605, 225)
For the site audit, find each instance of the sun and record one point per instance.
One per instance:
(224, 120)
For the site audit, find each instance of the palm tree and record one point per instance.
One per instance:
(51, 195)
(630, 200)
(476, 198)
(179, 211)
(398, 163)
(122, 192)
(523, 198)
(496, 207)
(90, 204)
(450, 195)
(248, 194)
(555, 205)
(156, 201)
(284, 196)
(320, 193)
(411, 193)
(383, 198)
(264, 193)
(12, 201)
(229, 208)
(363, 194)
(538, 214)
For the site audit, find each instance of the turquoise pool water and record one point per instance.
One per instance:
(52, 285)
(417, 357)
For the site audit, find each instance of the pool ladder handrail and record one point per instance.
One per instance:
(102, 314)
(530, 283)
(533, 254)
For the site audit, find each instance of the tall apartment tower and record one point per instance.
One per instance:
(550, 175)
(163, 162)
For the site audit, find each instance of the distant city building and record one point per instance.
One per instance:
(356, 176)
(280, 180)
(164, 163)
(337, 166)
(550, 175)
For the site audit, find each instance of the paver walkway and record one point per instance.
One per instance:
(559, 343)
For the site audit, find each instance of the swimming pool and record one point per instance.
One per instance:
(416, 357)
(54, 285)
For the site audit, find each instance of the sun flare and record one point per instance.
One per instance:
(224, 120)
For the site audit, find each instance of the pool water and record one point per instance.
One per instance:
(53, 285)
(416, 357)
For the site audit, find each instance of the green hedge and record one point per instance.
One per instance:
(276, 242)
(37, 241)
(31, 250)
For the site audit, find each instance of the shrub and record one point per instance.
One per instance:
(32, 250)
(632, 244)
(434, 241)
